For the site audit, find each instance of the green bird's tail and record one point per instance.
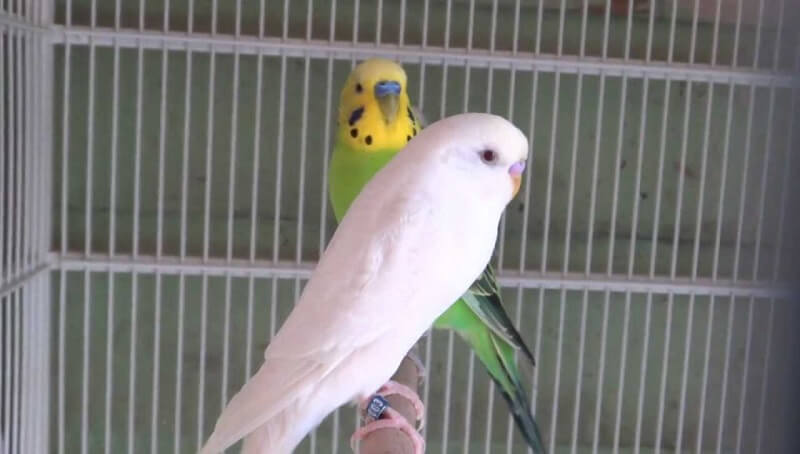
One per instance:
(506, 376)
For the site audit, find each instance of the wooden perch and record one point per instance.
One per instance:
(394, 441)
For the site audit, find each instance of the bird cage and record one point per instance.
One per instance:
(164, 199)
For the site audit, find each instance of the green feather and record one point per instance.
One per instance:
(484, 299)
(496, 353)
(349, 171)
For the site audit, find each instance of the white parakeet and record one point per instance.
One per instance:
(376, 120)
(400, 256)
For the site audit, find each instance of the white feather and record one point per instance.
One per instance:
(400, 256)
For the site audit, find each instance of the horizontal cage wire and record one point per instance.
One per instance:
(165, 163)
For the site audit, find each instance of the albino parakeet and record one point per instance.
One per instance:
(375, 122)
(400, 256)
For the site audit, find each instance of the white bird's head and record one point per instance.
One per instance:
(488, 148)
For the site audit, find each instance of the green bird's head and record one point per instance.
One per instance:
(375, 112)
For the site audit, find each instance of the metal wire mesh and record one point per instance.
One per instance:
(24, 230)
(166, 166)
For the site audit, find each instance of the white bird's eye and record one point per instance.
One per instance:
(488, 156)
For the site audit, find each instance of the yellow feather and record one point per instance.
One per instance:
(372, 131)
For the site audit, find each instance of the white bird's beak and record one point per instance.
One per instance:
(516, 182)
(516, 171)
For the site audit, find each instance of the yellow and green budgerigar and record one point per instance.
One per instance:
(375, 121)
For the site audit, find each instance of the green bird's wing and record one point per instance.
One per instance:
(497, 356)
(420, 118)
(480, 319)
(483, 297)
(495, 340)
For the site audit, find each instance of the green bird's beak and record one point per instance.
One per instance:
(387, 93)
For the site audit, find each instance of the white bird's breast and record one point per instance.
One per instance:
(434, 259)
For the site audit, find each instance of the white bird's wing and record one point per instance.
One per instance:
(338, 314)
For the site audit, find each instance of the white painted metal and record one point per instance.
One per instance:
(3, 134)
(478, 58)
(285, 270)
(615, 346)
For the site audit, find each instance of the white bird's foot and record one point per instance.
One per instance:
(392, 387)
(381, 416)
(390, 419)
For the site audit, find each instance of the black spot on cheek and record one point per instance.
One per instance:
(355, 116)
(354, 132)
(411, 114)
(415, 131)
(368, 139)
(408, 138)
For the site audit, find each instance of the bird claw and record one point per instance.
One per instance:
(391, 419)
(381, 416)
(392, 387)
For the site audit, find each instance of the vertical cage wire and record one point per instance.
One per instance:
(24, 222)
(3, 134)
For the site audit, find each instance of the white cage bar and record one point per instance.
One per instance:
(164, 186)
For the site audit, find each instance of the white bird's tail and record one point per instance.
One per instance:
(280, 434)
(273, 412)
(273, 437)
(277, 436)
